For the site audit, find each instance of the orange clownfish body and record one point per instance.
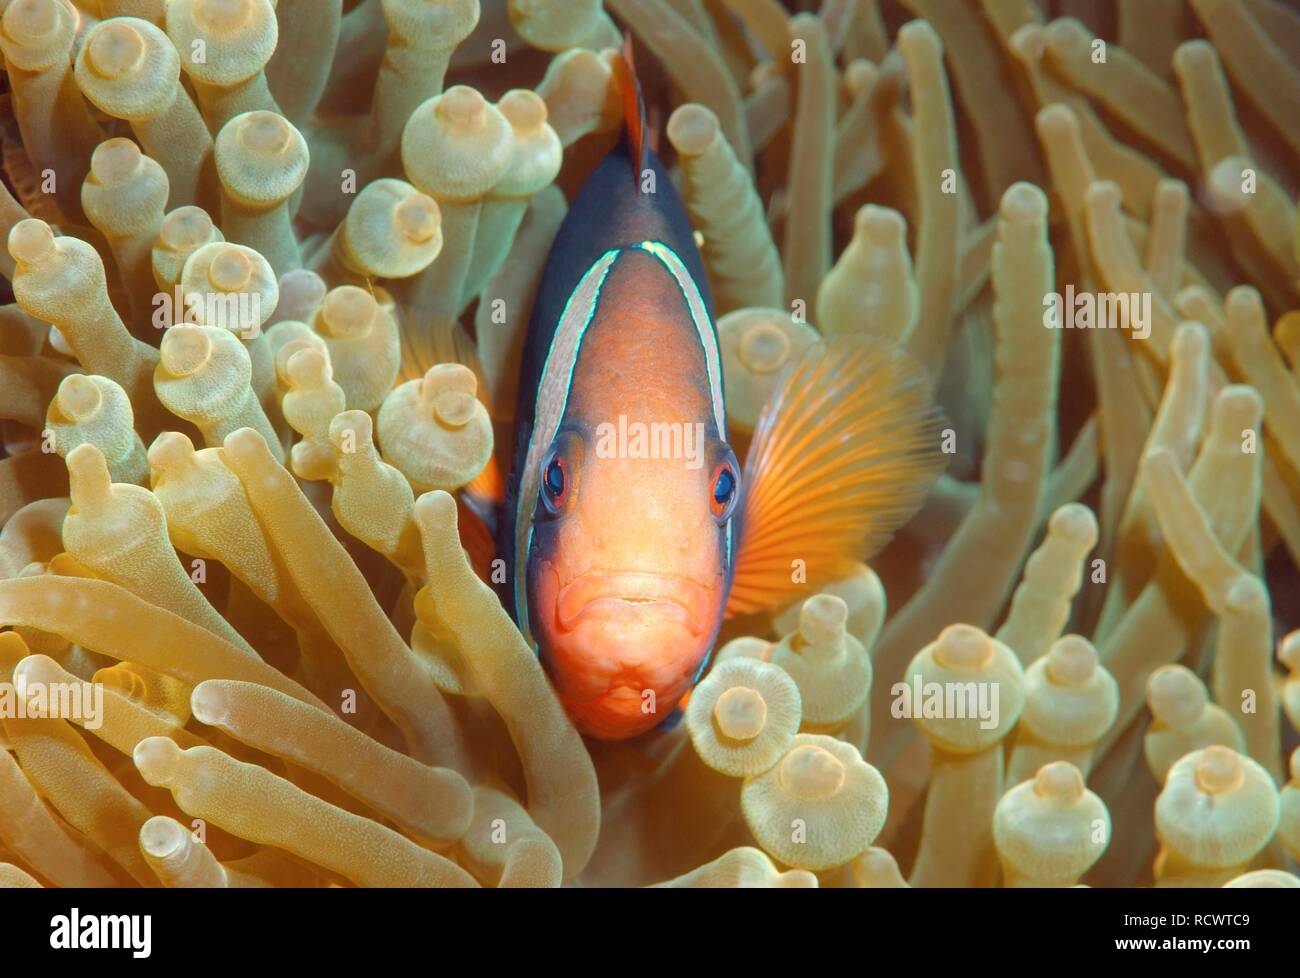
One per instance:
(628, 529)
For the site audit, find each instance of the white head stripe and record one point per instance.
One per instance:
(708, 340)
(552, 396)
(700, 317)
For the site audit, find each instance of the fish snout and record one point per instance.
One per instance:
(626, 646)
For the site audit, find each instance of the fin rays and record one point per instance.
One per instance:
(843, 454)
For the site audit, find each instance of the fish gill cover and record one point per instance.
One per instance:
(272, 266)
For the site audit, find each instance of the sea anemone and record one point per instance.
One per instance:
(271, 266)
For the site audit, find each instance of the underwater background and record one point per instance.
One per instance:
(268, 276)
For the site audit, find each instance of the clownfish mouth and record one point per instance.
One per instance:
(629, 595)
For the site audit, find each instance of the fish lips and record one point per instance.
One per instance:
(630, 596)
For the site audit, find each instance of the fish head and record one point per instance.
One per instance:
(625, 529)
(629, 566)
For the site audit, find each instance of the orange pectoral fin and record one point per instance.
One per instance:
(487, 490)
(477, 540)
(844, 452)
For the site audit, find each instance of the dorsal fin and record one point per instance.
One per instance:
(633, 110)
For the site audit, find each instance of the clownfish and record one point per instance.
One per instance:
(629, 529)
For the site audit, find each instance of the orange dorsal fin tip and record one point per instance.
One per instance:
(633, 108)
(844, 452)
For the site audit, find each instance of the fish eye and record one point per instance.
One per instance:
(553, 481)
(560, 474)
(724, 490)
(555, 488)
(723, 486)
(555, 478)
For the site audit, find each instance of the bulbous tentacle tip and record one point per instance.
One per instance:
(812, 772)
(355, 428)
(157, 759)
(1075, 523)
(169, 452)
(307, 367)
(765, 348)
(417, 218)
(348, 311)
(115, 49)
(162, 837)
(244, 445)
(115, 160)
(187, 228)
(692, 128)
(823, 620)
(1059, 783)
(436, 503)
(740, 713)
(963, 647)
(1176, 695)
(1288, 651)
(30, 241)
(1265, 879)
(1219, 770)
(879, 226)
(1024, 203)
(88, 478)
(32, 22)
(79, 398)
(1071, 661)
(208, 703)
